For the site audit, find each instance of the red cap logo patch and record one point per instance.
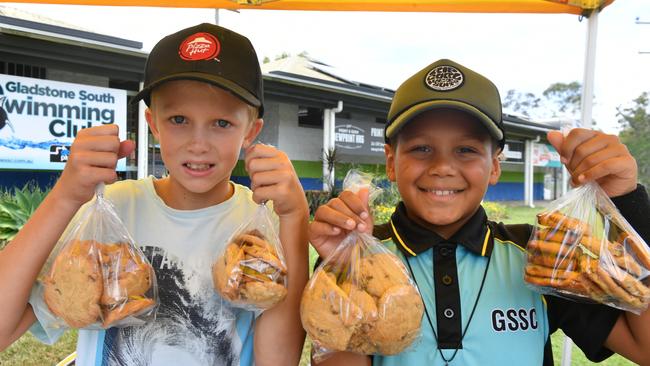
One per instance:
(199, 46)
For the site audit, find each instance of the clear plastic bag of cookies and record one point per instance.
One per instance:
(361, 298)
(250, 271)
(583, 249)
(96, 277)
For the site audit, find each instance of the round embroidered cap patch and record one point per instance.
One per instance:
(444, 78)
(199, 46)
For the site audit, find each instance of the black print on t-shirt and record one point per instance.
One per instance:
(195, 326)
(514, 319)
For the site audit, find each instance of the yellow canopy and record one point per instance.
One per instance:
(456, 6)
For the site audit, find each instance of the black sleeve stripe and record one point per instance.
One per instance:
(518, 233)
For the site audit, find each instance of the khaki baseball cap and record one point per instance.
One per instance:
(209, 53)
(447, 84)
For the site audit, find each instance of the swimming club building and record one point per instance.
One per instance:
(56, 79)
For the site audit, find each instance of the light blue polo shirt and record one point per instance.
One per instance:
(511, 324)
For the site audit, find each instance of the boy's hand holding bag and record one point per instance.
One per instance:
(250, 270)
(97, 277)
(361, 298)
(582, 247)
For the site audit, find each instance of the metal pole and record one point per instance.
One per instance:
(334, 111)
(590, 67)
(566, 351)
(528, 173)
(216, 16)
(565, 180)
(587, 105)
(143, 140)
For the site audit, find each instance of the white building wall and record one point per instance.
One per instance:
(299, 143)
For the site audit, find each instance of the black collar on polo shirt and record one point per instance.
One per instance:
(413, 239)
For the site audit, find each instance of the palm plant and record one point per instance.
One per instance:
(16, 207)
(331, 159)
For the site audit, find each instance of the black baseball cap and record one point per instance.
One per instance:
(208, 53)
(447, 84)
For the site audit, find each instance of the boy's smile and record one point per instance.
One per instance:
(442, 162)
(201, 129)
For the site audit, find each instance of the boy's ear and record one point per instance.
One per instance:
(253, 130)
(152, 124)
(495, 172)
(390, 162)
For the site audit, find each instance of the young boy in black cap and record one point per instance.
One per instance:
(203, 89)
(443, 137)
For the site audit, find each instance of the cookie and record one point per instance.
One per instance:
(400, 313)
(127, 284)
(365, 302)
(254, 241)
(226, 274)
(109, 253)
(263, 294)
(138, 281)
(633, 286)
(379, 272)
(558, 276)
(74, 285)
(639, 249)
(594, 246)
(613, 289)
(551, 261)
(360, 342)
(266, 254)
(250, 271)
(259, 269)
(558, 220)
(550, 242)
(126, 274)
(581, 285)
(552, 248)
(327, 314)
(132, 307)
(551, 234)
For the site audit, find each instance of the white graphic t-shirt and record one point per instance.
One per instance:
(193, 325)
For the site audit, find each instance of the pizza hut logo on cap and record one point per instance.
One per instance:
(444, 78)
(199, 46)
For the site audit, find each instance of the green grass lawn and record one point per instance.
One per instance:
(28, 351)
(521, 214)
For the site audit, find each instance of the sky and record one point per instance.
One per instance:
(525, 52)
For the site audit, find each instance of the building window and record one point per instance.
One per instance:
(310, 117)
(30, 71)
(343, 115)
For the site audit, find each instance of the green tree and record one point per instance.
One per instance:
(559, 99)
(524, 103)
(283, 55)
(635, 121)
(565, 97)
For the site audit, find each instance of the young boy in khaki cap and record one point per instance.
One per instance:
(443, 137)
(203, 88)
